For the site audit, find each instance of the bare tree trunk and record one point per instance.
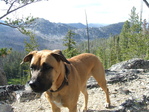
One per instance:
(87, 33)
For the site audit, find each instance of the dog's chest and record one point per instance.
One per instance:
(58, 104)
(57, 100)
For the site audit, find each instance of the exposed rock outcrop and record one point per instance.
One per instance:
(4, 107)
(135, 63)
(8, 92)
(19, 93)
(134, 104)
(3, 79)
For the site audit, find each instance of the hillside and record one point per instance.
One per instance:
(50, 34)
(12, 38)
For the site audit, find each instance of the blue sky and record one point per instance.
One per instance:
(73, 11)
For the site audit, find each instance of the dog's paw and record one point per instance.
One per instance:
(107, 105)
(84, 109)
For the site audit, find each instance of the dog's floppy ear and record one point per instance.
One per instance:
(59, 56)
(28, 57)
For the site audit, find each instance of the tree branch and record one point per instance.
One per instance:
(147, 4)
(11, 5)
(14, 10)
(8, 25)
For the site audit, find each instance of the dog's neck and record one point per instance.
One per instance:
(65, 81)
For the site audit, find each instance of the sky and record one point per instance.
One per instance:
(73, 11)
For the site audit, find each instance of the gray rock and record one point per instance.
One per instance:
(18, 93)
(5, 108)
(3, 79)
(135, 63)
(22, 96)
(122, 77)
(133, 105)
(7, 92)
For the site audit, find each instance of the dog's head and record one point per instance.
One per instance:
(47, 69)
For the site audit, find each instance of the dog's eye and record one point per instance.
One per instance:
(46, 67)
(32, 67)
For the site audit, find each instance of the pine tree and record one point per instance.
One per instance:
(145, 33)
(124, 41)
(32, 44)
(130, 37)
(5, 51)
(70, 43)
(131, 43)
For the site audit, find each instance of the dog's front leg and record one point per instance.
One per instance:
(55, 108)
(73, 109)
(84, 91)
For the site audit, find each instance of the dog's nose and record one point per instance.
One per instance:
(33, 84)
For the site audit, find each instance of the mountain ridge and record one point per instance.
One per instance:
(50, 35)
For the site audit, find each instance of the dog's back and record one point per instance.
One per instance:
(85, 59)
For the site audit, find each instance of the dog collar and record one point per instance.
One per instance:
(65, 81)
(62, 85)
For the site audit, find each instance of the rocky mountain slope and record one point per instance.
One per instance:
(127, 81)
(50, 34)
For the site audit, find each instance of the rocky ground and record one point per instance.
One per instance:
(133, 91)
(129, 92)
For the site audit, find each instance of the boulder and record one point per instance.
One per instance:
(24, 95)
(3, 79)
(134, 104)
(18, 93)
(5, 108)
(119, 76)
(135, 63)
(7, 92)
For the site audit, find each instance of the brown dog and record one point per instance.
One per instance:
(62, 79)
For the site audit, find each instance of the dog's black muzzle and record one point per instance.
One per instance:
(34, 85)
(38, 86)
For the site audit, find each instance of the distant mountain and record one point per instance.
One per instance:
(1, 21)
(11, 38)
(101, 32)
(77, 25)
(96, 25)
(50, 34)
(48, 28)
(80, 25)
